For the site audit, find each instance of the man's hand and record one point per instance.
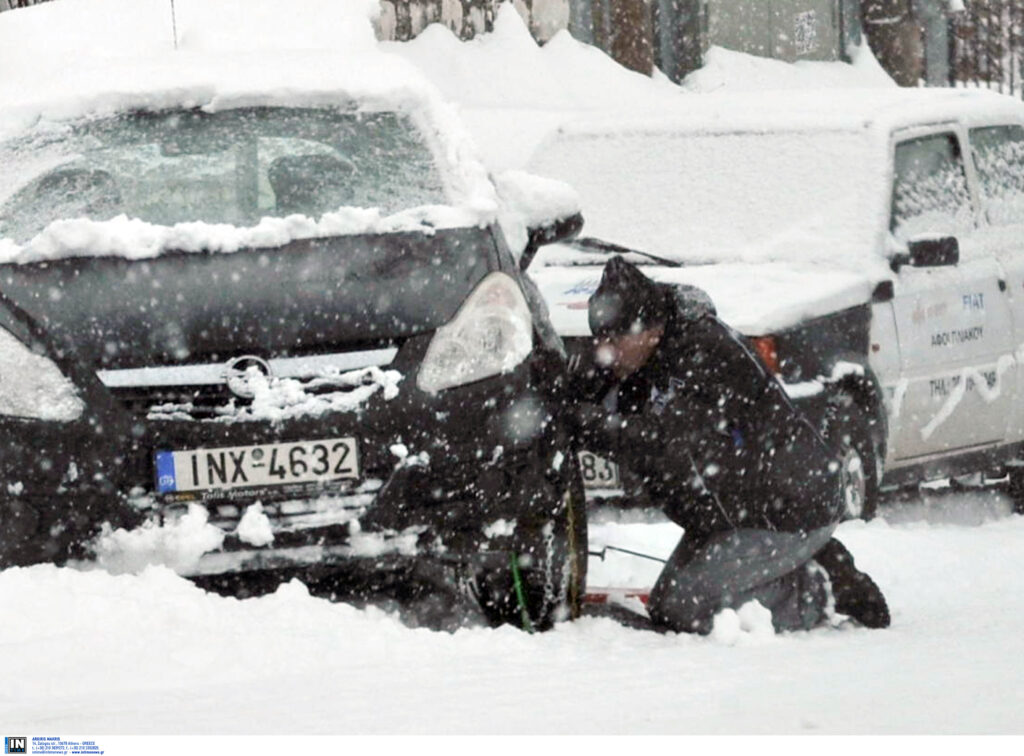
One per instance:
(595, 427)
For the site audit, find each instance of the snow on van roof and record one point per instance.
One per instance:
(754, 177)
(885, 110)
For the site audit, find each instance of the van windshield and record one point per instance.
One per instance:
(696, 197)
(231, 167)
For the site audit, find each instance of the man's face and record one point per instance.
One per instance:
(627, 353)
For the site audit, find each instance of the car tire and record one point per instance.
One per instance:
(544, 579)
(849, 430)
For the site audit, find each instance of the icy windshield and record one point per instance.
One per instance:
(750, 196)
(232, 167)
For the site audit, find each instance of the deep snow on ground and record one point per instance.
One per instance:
(93, 652)
(152, 654)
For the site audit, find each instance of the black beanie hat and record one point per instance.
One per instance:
(627, 301)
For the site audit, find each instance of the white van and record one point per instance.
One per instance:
(869, 244)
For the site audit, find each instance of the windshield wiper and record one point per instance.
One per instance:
(608, 248)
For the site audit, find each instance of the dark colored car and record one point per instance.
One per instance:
(195, 372)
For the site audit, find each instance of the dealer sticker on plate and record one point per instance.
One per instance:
(262, 465)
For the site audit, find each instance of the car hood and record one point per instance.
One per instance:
(307, 297)
(754, 298)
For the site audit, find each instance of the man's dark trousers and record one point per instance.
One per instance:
(730, 568)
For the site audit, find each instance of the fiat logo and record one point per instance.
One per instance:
(239, 371)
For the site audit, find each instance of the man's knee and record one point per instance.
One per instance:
(678, 608)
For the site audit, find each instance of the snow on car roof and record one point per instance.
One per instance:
(105, 57)
(114, 55)
(130, 28)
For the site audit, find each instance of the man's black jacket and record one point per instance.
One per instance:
(716, 440)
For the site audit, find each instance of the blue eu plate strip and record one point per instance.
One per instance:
(165, 478)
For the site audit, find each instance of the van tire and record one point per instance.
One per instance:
(1015, 473)
(849, 430)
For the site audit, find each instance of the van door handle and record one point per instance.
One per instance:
(1002, 284)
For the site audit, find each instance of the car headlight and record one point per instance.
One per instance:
(490, 334)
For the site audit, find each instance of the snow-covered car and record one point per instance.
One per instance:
(871, 250)
(261, 316)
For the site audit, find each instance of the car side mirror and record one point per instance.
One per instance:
(929, 252)
(560, 229)
(549, 209)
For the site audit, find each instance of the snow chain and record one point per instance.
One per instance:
(574, 564)
(550, 600)
(517, 580)
(573, 575)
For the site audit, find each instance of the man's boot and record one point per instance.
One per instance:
(856, 594)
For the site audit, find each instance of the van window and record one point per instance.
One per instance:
(930, 194)
(999, 159)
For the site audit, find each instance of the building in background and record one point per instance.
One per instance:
(919, 42)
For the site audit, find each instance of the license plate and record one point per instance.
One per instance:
(598, 472)
(262, 465)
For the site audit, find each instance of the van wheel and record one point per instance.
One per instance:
(848, 430)
(859, 502)
(1015, 472)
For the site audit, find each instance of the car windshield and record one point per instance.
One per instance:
(231, 167)
(752, 196)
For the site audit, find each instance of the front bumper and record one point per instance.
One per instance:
(465, 472)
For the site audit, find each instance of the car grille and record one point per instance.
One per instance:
(202, 392)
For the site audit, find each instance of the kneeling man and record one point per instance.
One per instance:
(724, 452)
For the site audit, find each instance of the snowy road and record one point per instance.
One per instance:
(93, 653)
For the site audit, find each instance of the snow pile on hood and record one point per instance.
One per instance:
(135, 239)
(730, 71)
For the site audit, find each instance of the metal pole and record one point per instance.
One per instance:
(174, 25)
(601, 554)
